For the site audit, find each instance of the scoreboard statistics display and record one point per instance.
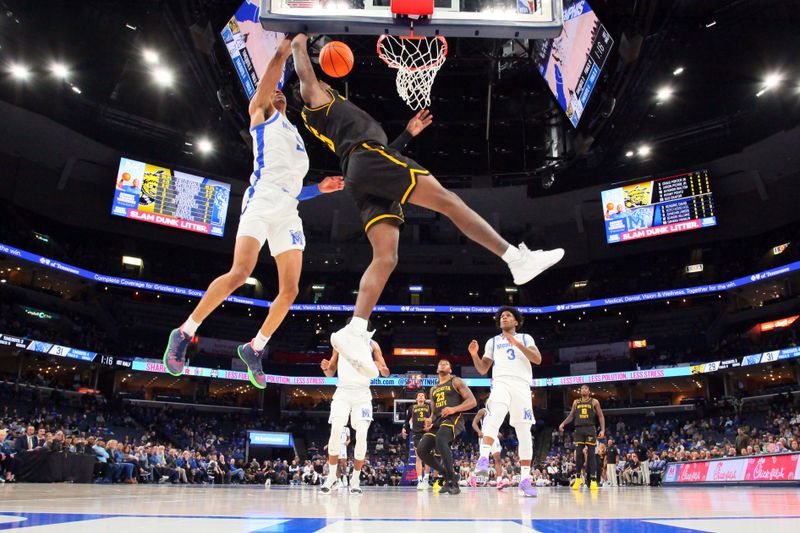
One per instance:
(659, 207)
(158, 195)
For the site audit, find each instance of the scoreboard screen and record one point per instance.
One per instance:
(158, 195)
(250, 46)
(659, 207)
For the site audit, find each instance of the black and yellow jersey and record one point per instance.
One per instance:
(342, 125)
(584, 413)
(417, 414)
(444, 395)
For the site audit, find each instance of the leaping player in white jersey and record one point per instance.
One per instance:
(509, 355)
(353, 400)
(269, 215)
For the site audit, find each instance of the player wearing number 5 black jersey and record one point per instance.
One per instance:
(509, 355)
(585, 411)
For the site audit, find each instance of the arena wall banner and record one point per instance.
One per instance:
(779, 468)
(412, 309)
(153, 365)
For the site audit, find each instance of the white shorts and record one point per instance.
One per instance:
(272, 220)
(343, 452)
(355, 404)
(514, 396)
(496, 448)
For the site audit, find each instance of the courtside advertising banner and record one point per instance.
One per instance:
(758, 469)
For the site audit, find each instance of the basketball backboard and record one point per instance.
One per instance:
(519, 19)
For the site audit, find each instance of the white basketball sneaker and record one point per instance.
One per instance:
(354, 346)
(532, 263)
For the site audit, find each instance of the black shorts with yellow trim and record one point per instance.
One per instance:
(380, 180)
(585, 435)
(453, 423)
(418, 437)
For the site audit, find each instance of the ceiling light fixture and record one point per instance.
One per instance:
(644, 150)
(678, 71)
(59, 70)
(19, 71)
(664, 94)
(163, 76)
(150, 57)
(205, 146)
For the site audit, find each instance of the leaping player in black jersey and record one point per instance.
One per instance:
(380, 180)
(584, 410)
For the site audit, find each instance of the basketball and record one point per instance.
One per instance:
(336, 59)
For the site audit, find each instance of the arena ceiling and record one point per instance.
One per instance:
(712, 58)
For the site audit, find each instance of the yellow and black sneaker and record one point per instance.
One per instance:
(437, 486)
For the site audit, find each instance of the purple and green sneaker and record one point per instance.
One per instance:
(175, 354)
(252, 359)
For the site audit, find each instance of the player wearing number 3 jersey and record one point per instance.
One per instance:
(509, 355)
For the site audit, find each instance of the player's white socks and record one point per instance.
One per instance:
(486, 449)
(525, 472)
(259, 341)
(512, 254)
(329, 481)
(358, 324)
(190, 327)
(355, 479)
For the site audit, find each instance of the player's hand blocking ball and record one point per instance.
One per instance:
(336, 59)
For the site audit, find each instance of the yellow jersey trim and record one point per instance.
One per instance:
(381, 217)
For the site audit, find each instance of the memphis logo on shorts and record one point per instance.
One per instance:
(365, 413)
(527, 414)
(297, 237)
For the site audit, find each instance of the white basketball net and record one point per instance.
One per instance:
(417, 60)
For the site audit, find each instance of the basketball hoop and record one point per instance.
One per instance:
(417, 60)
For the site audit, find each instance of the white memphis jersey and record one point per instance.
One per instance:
(349, 377)
(345, 435)
(280, 161)
(509, 361)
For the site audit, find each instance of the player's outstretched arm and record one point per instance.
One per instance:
(261, 104)
(481, 364)
(569, 418)
(377, 355)
(328, 185)
(310, 90)
(418, 122)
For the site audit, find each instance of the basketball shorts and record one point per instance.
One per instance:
(496, 448)
(380, 180)
(343, 452)
(353, 404)
(417, 437)
(513, 395)
(272, 220)
(585, 435)
(455, 422)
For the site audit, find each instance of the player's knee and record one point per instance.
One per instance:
(238, 275)
(386, 260)
(288, 293)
